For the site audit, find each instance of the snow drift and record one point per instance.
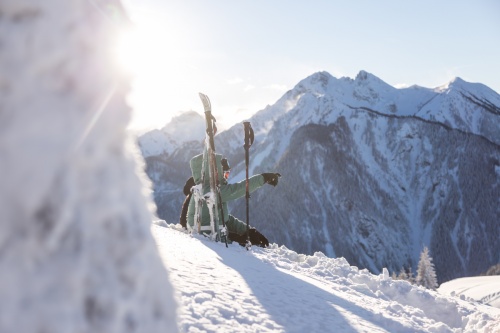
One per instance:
(483, 289)
(76, 252)
(279, 290)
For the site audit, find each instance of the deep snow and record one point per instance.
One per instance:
(277, 290)
(484, 289)
(76, 251)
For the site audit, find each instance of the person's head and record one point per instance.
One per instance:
(226, 169)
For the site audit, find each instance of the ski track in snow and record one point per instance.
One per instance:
(277, 290)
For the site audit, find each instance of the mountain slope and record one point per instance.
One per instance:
(394, 181)
(278, 290)
(384, 197)
(374, 173)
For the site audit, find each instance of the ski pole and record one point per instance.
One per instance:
(249, 137)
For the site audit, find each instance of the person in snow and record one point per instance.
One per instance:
(237, 229)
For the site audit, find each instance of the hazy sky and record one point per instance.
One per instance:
(247, 54)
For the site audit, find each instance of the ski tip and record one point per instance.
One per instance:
(206, 102)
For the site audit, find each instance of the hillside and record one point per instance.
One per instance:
(370, 172)
(278, 290)
(483, 289)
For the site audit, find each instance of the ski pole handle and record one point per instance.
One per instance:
(249, 135)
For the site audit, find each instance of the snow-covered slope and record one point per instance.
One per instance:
(76, 251)
(370, 173)
(322, 99)
(483, 289)
(367, 175)
(278, 290)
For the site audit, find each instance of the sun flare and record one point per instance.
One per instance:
(126, 53)
(147, 53)
(140, 51)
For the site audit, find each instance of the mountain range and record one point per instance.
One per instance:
(370, 172)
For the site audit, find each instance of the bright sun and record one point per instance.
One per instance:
(161, 55)
(146, 54)
(140, 52)
(126, 55)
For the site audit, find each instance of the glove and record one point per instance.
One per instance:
(271, 178)
(187, 187)
(256, 238)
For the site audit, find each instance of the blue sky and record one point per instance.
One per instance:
(247, 54)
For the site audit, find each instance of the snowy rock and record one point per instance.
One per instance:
(76, 251)
(385, 274)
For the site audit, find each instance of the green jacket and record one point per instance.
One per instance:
(228, 192)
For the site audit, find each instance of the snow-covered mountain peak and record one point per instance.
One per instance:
(363, 75)
(187, 126)
(414, 87)
(457, 80)
(455, 83)
(321, 77)
(316, 83)
(322, 98)
(460, 84)
(366, 79)
(476, 93)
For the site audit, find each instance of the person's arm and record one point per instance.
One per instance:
(236, 225)
(237, 190)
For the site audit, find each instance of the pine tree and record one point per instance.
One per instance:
(426, 274)
(411, 278)
(402, 274)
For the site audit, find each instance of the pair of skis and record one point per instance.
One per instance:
(215, 202)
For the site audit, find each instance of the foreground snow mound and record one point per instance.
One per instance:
(76, 251)
(278, 290)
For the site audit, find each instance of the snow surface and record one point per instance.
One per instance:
(484, 289)
(278, 290)
(76, 251)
